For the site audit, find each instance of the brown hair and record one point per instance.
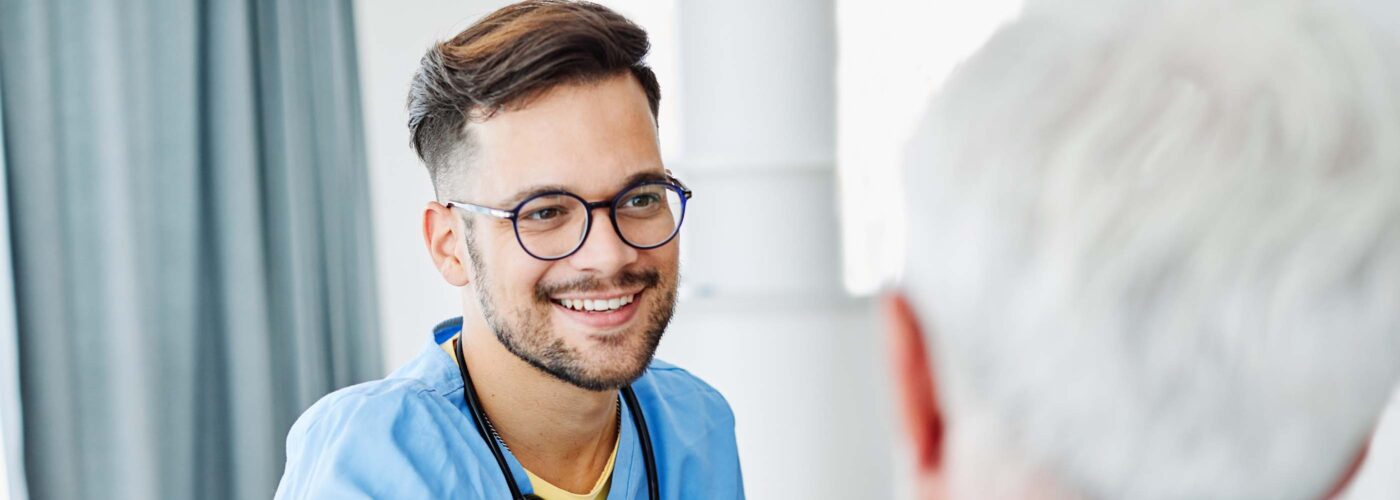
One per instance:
(509, 57)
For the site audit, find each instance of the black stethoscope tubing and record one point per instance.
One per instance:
(479, 416)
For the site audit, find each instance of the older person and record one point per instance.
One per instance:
(1154, 252)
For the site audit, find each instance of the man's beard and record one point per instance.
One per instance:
(528, 334)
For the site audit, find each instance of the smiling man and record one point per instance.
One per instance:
(558, 221)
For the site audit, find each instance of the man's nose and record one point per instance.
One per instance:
(603, 251)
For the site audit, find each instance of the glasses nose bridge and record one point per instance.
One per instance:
(590, 207)
(594, 205)
(608, 221)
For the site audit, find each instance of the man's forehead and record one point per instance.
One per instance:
(591, 138)
(576, 112)
(593, 188)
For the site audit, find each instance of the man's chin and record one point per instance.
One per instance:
(608, 354)
(609, 382)
(600, 378)
(614, 361)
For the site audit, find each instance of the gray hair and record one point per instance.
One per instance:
(1158, 250)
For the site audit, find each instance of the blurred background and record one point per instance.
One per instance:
(211, 215)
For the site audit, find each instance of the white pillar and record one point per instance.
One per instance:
(764, 317)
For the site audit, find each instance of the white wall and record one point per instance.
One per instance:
(893, 56)
(392, 36)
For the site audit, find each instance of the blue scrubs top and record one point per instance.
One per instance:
(409, 435)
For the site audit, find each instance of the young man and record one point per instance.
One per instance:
(1154, 252)
(558, 221)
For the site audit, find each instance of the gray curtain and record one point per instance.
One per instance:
(11, 439)
(190, 234)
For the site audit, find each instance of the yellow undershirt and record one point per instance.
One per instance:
(548, 491)
(600, 489)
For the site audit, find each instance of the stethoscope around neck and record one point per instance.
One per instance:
(479, 418)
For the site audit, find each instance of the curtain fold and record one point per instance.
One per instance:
(11, 438)
(190, 234)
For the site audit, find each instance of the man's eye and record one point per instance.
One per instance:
(641, 201)
(544, 214)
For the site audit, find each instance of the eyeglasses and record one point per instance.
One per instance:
(552, 225)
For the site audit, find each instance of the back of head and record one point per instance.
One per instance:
(1158, 248)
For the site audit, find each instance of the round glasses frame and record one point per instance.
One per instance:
(513, 214)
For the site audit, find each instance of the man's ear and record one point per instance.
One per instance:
(1339, 489)
(441, 234)
(916, 392)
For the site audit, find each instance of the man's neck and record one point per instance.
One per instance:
(561, 433)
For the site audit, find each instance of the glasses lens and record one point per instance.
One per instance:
(551, 226)
(649, 215)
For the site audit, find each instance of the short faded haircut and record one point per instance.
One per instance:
(508, 58)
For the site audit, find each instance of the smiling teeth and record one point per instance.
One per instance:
(597, 305)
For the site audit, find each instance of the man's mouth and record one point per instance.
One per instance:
(599, 312)
(603, 304)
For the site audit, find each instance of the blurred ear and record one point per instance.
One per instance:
(916, 393)
(441, 232)
(1340, 488)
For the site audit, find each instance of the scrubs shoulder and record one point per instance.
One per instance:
(409, 435)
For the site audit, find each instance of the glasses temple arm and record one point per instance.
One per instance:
(478, 209)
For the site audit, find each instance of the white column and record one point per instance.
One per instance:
(763, 316)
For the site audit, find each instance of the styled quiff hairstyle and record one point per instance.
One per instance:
(506, 59)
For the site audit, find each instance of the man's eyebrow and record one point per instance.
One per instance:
(649, 175)
(526, 193)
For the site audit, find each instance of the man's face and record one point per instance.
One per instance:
(591, 140)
